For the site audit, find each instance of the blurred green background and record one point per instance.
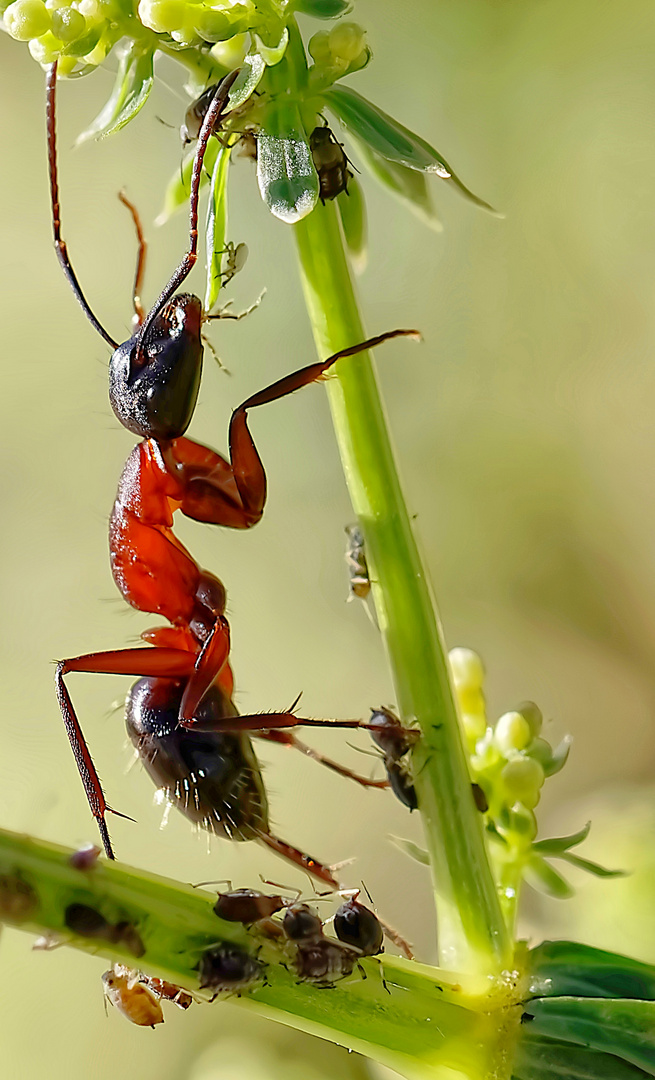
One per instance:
(524, 433)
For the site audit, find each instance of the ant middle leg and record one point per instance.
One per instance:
(287, 738)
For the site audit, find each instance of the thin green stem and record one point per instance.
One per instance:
(418, 1020)
(472, 932)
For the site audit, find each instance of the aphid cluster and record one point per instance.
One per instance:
(306, 950)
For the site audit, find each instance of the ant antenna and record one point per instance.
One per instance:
(219, 102)
(60, 245)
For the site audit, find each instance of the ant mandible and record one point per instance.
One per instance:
(180, 716)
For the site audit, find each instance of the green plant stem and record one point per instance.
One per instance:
(472, 933)
(423, 1022)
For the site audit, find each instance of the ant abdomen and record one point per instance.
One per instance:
(154, 381)
(213, 778)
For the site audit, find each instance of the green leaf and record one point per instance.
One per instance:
(323, 9)
(216, 227)
(567, 967)
(623, 1028)
(285, 171)
(559, 757)
(247, 81)
(179, 185)
(590, 867)
(415, 852)
(555, 845)
(540, 1058)
(352, 210)
(545, 879)
(390, 139)
(133, 84)
(405, 184)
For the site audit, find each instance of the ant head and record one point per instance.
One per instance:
(154, 379)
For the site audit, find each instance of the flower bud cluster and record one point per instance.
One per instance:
(508, 760)
(341, 49)
(189, 22)
(78, 33)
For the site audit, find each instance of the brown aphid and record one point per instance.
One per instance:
(126, 934)
(330, 163)
(18, 900)
(358, 580)
(227, 968)
(247, 906)
(124, 990)
(324, 962)
(479, 798)
(302, 924)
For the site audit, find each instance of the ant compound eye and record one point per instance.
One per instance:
(154, 383)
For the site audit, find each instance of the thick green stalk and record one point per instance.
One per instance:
(425, 1023)
(472, 933)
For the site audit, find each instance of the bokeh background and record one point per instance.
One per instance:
(524, 430)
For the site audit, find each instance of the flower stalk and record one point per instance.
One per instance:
(472, 931)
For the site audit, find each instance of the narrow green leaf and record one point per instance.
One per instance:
(623, 1028)
(323, 9)
(559, 757)
(247, 81)
(415, 852)
(407, 185)
(216, 227)
(567, 967)
(540, 1058)
(352, 210)
(555, 845)
(589, 867)
(285, 171)
(390, 139)
(542, 877)
(133, 85)
(179, 185)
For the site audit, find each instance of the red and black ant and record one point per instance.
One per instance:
(180, 715)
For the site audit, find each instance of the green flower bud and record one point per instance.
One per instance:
(162, 16)
(523, 779)
(319, 48)
(347, 40)
(68, 24)
(474, 726)
(213, 25)
(467, 669)
(541, 751)
(91, 10)
(523, 823)
(26, 19)
(230, 53)
(471, 700)
(66, 65)
(533, 715)
(512, 732)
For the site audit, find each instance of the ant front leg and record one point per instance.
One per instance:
(233, 493)
(168, 663)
